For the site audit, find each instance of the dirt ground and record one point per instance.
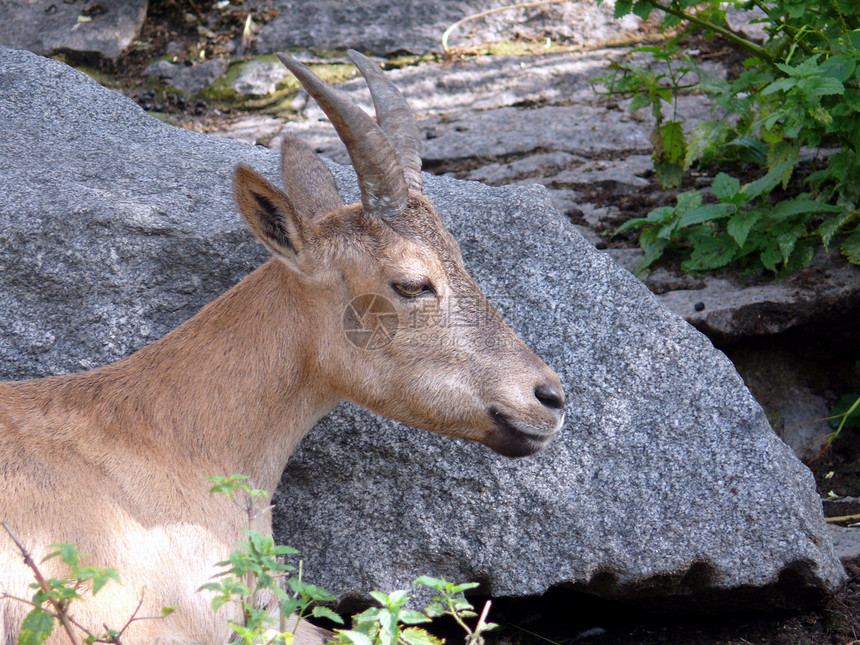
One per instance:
(194, 30)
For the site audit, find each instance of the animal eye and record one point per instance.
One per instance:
(412, 289)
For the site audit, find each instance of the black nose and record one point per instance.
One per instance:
(550, 396)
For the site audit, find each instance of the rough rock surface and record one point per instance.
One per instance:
(259, 78)
(471, 111)
(734, 310)
(47, 26)
(667, 478)
(417, 26)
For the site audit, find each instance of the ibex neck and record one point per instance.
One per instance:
(234, 389)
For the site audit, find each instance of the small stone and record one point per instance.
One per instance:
(188, 78)
(260, 78)
(699, 306)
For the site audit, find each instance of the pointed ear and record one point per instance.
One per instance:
(270, 216)
(307, 179)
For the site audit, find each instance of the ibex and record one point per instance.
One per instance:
(117, 459)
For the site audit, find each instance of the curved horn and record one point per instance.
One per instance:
(394, 117)
(380, 177)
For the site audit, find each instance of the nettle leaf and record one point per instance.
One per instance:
(643, 9)
(852, 99)
(357, 638)
(653, 247)
(706, 213)
(398, 597)
(36, 627)
(769, 181)
(639, 101)
(688, 200)
(412, 617)
(839, 66)
(325, 612)
(817, 86)
(783, 152)
(819, 114)
(740, 224)
(380, 597)
(705, 140)
(829, 227)
(710, 252)
(622, 8)
(799, 206)
(748, 149)
(801, 256)
(435, 610)
(851, 247)
(674, 142)
(787, 237)
(725, 187)
(669, 175)
(782, 85)
(417, 636)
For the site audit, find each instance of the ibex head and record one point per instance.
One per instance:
(396, 323)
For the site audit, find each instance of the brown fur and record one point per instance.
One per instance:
(116, 459)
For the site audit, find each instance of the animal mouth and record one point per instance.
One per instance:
(514, 438)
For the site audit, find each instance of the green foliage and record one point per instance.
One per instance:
(256, 571)
(652, 89)
(392, 624)
(38, 625)
(255, 574)
(800, 90)
(846, 412)
(53, 598)
(741, 225)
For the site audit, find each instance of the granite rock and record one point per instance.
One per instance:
(667, 479)
(417, 26)
(48, 26)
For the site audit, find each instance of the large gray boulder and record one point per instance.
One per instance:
(667, 479)
(48, 26)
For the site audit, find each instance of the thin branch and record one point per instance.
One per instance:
(61, 614)
(522, 5)
(725, 33)
(132, 618)
(843, 518)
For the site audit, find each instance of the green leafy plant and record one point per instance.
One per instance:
(740, 225)
(656, 88)
(53, 598)
(255, 577)
(256, 573)
(391, 623)
(799, 91)
(845, 413)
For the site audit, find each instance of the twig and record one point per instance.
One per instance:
(843, 518)
(522, 5)
(60, 613)
(131, 619)
(725, 33)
